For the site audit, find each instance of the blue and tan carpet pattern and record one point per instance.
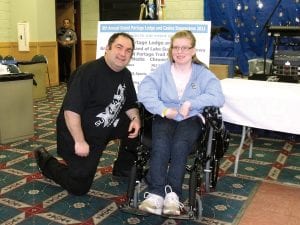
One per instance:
(26, 197)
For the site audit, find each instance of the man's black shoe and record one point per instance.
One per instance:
(42, 156)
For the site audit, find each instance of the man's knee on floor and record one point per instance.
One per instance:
(79, 190)
(80, 183)
(80, 186)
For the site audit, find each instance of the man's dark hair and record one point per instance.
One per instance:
(66, 19)
(116, 35)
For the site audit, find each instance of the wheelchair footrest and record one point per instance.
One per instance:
(131, 210)
(184, 216)
(135, 211)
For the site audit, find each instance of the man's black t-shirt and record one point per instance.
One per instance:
(101, 97)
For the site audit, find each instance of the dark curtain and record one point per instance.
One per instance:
(245, 19)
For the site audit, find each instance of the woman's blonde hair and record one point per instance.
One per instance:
(184, 34)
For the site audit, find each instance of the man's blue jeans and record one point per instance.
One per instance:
(172, 142)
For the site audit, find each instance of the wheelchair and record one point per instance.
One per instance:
(203, 171)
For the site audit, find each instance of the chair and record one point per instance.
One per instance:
(9, 57)
(12, 68)
(208, 151)
(42, 59)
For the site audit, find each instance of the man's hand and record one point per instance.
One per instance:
(134, 127)
(82, 149)
(73, 122)
(135, 124)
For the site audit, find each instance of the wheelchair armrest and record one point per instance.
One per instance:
(144, 113)
(213, 116)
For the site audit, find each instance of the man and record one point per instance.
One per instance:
(99, 106)
(66, 38)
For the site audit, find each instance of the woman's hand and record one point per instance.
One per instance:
(185, 109)
(171, 113)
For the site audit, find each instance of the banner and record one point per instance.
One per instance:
(152, 41)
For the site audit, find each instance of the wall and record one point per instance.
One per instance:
(89, 20)
(174, 10)
(42, 33)
(42, 21)
(4, 21)
(5, 27)
(184, 10)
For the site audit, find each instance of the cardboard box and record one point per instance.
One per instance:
(230, 61)
(221, 71)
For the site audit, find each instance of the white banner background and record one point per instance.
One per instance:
(152, 40)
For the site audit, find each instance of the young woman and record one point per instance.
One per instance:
(176, 92)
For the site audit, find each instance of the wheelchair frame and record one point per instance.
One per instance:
(210, 148)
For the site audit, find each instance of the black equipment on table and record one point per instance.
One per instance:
(284, 31)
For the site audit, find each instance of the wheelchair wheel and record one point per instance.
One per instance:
(195, 202)
(199, 208)
(215, 172)
(207, 175)
(132, 183)
(192, 189)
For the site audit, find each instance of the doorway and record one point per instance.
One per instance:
(71, 9)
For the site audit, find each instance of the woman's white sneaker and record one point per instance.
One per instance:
(172, 205)
(153, 203)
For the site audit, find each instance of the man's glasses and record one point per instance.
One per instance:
(182, 48)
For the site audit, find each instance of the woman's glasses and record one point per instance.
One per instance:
(182, 48)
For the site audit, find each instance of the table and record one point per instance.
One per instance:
(40, 71)
(16, 107)
(261, 104)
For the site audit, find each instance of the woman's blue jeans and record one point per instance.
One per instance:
(172, 142)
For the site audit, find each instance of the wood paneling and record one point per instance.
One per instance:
(49, 49)
(5, 48)
(89, 49)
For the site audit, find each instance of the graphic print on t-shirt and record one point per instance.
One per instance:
(112, 110)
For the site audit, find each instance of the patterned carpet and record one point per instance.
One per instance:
(26, 197)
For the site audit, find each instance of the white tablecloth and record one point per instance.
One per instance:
(261, 104)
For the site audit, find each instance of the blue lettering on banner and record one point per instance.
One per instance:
(143, 27)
